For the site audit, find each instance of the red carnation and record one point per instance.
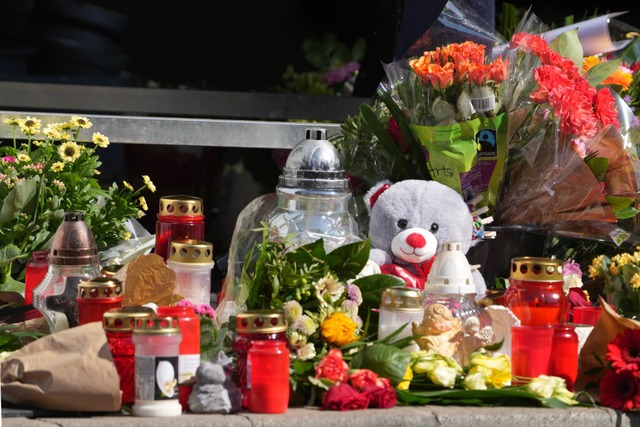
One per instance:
(605, 108)
(332, 367)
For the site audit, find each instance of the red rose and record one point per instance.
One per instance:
(362, 377)
(332, 367)
(343, 397)
(381, 397)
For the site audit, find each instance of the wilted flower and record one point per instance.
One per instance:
(475, 381)
(306, 352)
(328, 289)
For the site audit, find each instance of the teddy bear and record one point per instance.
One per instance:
(408, 220)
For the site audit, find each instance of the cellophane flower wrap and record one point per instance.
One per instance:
(566, 158)
(450, 95)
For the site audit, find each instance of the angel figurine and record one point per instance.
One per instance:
(439, 330)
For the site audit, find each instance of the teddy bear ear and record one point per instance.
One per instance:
(374, 192)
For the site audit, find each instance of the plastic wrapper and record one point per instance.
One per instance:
(445, 98)
(567, 159)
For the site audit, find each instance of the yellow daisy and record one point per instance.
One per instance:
(149, 183)
(12, 121)
(31, 122)
(57, 167)
(65, 136)
(100, 140)
(29, 130)
(127, 185)
(81, 122)
(127, 235)
(69, 151)
(52, 131)
(143, 203)
(24, 157)
(37, 143)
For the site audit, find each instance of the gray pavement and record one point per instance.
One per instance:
(407, 416)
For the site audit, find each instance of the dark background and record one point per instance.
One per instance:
(227, 45)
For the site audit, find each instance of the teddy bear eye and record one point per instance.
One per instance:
(434, 227)
(402, 223)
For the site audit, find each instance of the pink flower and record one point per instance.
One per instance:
(9, 159)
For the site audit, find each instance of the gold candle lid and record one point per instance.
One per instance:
(123, 319)
(111, 270)
(537, 269)
(156, 325)
(260, 321)
(180, 206)
(402, 299)
(191, 251)
(100, 288)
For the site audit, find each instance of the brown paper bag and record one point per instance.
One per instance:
(70, 370)
(608, 327)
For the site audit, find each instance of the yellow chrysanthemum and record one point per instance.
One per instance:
(81, 122)
(149, 183)
(24, 157)
(69, 151)
(57, 167)
(100, 140)
(338, 329)
(143, 203)
(127, 185)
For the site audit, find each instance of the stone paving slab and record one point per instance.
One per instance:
(408, 416)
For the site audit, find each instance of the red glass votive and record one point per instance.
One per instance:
(96, 297)
(251, 326)
(564, 354)
(37, 268)
(268, 377)
(179, 217)
(586, 315)
(531, 348)
(535, 294)
(118, 327)
(189, 357)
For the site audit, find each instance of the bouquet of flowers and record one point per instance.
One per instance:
(620, 385)
(566, 157)
(622, 281)
(46, 171)
(439, 116)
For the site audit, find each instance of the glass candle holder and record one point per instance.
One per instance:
(189, 357)
(157, 346)
(192, 261)
(531, 348)
(400, 306)
(258, 325)
(179, 217)
(535, 294)
(118, 326)
(96, 296)
(268, 377)
(564, 354)
(36, 269)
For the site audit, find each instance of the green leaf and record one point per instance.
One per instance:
(617, 202)
(17, 199)
(372, 287)
(372, 121)
(12, 290)
(598, 166)
(599, 72)
(348, 260)
(307, 254)
(385, 360)
(631, 54)
(8, 254)
(626, 213)
(568, 45)
(495, 346)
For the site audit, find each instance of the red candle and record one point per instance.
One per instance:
(564, 354)
(96, 297)
(179, 217)
(268, 377)
(535, 294)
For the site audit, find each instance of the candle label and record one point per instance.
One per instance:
(187, 365)
(156, 378)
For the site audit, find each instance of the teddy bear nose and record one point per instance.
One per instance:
(416, 240)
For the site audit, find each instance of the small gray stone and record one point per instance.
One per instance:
(210, 373)
(209, 399)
